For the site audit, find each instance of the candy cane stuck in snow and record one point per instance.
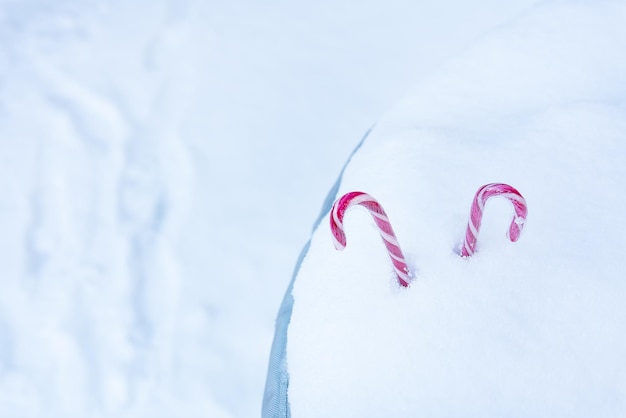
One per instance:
(384, 228)
(476, 214)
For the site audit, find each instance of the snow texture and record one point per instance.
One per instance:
(161, 163)
(533, 328)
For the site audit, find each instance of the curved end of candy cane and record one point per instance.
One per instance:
(339, 239)
(516, 228)
(519, 218)
(336, 225)
(336, 217)
(482, 195)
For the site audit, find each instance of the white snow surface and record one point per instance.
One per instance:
(532, 328)
(161, 164)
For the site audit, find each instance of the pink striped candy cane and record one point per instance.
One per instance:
(384, 228)
(476, 214)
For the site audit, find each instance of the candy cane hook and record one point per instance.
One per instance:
(384, 228)
(476, 214)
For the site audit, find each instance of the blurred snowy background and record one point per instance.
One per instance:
(161, 164)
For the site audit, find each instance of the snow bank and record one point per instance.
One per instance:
(533, 328)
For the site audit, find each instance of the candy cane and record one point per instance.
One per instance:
(476, 214)
(384, 228)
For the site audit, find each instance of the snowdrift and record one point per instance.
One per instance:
(531, 328)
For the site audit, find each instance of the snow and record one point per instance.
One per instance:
(532, 328)
(161, 164)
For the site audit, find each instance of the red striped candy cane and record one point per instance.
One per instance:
(476, 214)
(384, 228)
